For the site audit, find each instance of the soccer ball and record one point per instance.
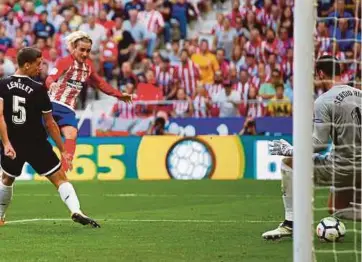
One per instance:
(330, 229)
(189, 159)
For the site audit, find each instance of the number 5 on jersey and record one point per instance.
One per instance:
(19, 112)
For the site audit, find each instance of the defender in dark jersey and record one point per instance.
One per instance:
(24, 106)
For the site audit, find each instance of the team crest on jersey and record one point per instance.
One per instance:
(54, 71)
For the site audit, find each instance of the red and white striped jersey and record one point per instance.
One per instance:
(188, 74)
(347, 75)
(124, 110)
(152, 20)
(224, 68)
(213, 89)
(324, 43)
(263, 16)
(90, 7)
(181, 108)
(287, 67)
(200, 106)
(244, 10)
(243, 89)
(216, 28)
(71, 76)
(271, 48)
(165, 78)
(255, 49)
(254, 108)
(257, 82)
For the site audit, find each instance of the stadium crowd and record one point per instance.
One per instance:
(144, 48)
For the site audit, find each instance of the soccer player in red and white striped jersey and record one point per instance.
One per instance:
(151, 18)
(188, 73)
(66, 81)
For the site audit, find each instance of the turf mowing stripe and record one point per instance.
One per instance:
(143, 220)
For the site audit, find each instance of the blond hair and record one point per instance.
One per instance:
(74, 37)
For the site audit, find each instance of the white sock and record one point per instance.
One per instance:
(6, 194)
(69, 197)
(287, 183)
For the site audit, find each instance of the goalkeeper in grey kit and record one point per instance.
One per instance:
(337, 117)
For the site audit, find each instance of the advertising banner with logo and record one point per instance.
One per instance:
(171, 157)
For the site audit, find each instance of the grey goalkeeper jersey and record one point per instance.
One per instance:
(337, 116)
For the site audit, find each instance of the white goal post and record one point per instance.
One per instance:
(303, 68)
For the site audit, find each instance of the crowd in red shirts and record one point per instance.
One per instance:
(243, 66)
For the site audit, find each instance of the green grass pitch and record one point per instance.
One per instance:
(157, 221)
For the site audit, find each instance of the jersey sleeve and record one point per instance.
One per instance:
(2, 89)
(102, 85)
(60, 67)
(44, 101)
(322, 122)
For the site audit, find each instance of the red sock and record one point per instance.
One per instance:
(69, 146)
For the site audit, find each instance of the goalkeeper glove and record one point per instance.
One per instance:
(280, 148)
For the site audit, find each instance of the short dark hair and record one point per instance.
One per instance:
(28, 55)
(329, 65)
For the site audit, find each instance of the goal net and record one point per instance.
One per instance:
(336, 32)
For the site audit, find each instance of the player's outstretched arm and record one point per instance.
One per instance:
(106, 88)
(54, 132)
(8, 149)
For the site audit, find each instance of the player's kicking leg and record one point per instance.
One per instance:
(70, 198)
(285, 229)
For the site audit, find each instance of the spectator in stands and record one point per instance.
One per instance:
(214, 88)
(133, 5)
(340, 12)
(108, 57)
(236, 58)
(201, 102)
(41, 44)
(139, 33)
(151, 18)
(228, 101)
(226, 38)
(235, 12)
(6, 64)
(249, 127)
(267, 90)
(253, 46)
(286, 42)
(287, 64)
(98, 35)
(252, 104)
(182, 107)
(219, 24)
(158, 127)
(11, 24)
(105, 22)
(172, 91)
(43, 28)
(165, 76)
(126, 46)
(5, 41)
(60, 39)
(243, 85)
(279, 105)
(344, 36)
(28, 15)
(179, 12)
(126, 76)
(250, 65)
(233, 75)
(55, 17)
(287, 20)
(246, 7)
(207, 63)
(223, 63)
(166, 11)
(46, 5)
(188, 73)
(288, 89)
(174, 55)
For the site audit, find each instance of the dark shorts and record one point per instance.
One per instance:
(63, 115)
(39, 155)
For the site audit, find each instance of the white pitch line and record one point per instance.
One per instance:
(22, 221)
